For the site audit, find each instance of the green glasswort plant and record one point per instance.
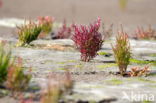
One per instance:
(122, 51)
(17, 80)
(5, 61)
(28, 32)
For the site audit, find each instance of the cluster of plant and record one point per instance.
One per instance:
(142, 33)
(46, 24)
(88, 39)
(137, 71)
(17, 80)
(122, 51)
(12, 75)
(122, 54)
(57, 86)
(64, 31)
(32, 30)
(28, 32)
(5, 62)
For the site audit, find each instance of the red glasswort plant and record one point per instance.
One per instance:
(64, 31)
(88, 40)
(141, 33)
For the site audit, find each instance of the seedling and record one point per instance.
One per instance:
(28, 32)
(122, 51)
(88, 40)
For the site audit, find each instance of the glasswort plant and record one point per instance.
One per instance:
(46, 23)
(28, 32)
(88, 40)
(122, 51)
(17, 80)
(5, 62)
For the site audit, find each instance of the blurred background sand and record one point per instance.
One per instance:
(137, 12)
